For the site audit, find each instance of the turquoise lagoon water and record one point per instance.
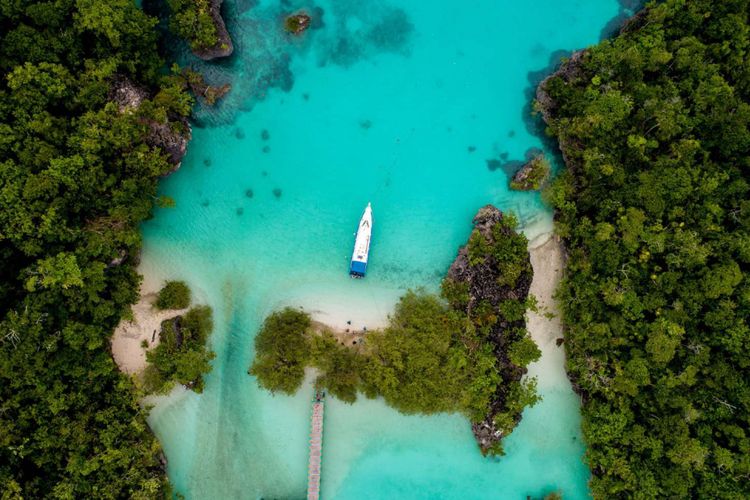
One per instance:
(401, 104)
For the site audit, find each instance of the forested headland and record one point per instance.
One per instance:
(654, 208)
(464, 351)
(200, 23)
(87, 126)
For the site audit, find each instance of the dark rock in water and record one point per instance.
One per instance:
(532, 175)
(472, 149)
(512, 133)
(306, 96)
(200, 89)
(249, 193)
(207, 162)
(204, 203)
(239, 133)
(493, 165)
(277, 192)
(559, 341)
(365, 124)
(266, 149)
(264, 135)
(240, 210)
(297, 23)
(485, 282)
(264, 173)
(223, 46)
(504, 156)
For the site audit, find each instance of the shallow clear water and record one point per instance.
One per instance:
(397, 103)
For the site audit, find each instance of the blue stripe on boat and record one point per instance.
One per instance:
(358, 268)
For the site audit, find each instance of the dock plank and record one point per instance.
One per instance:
(316, 448)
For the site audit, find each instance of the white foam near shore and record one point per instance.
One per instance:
(545, 325)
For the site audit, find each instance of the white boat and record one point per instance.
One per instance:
(358, 266)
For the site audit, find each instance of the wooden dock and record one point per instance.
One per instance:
(316, 447)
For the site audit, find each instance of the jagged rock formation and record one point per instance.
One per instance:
(223, 46)
(486, 284)
(532, 175)
(171, 136)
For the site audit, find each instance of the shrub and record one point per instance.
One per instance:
(174, 295)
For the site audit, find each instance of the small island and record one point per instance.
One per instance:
(464, 350)
(200, 23)
(532, 175)
(297, 23)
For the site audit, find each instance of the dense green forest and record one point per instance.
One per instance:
(191, 19)
(173, 295)
(78, 174)
(463, 351)
(655, 211)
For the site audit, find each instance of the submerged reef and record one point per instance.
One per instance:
(463, 351)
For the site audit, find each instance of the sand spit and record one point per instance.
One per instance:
(127, 350)
(547, 260)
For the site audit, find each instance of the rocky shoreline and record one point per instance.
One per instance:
(134, 336)
(483, 283)
(224, 46)
(171, 136)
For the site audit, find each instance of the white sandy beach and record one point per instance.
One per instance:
(127, 351)
(547, 260)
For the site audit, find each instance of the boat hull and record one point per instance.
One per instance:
(361, 253)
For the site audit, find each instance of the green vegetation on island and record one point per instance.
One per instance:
(181, 355)
(297, 23)
(191, 20)
(532, 175)
(78, 174)
(655, 212)
(282, 351)
(173, 295)
(199, 22)
(465, 351)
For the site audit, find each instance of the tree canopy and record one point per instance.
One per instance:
(654, 207)
(173, 295)
(77, 175)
